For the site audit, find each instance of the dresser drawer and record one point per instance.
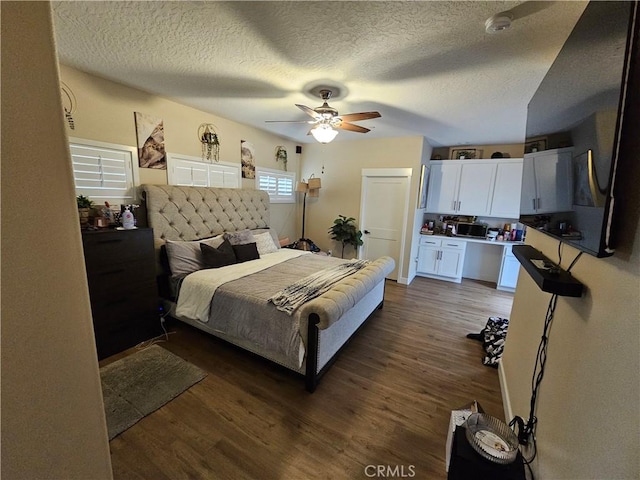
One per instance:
(124, 310)
(103, 249)
(430, 242)
(120, 276)
(453, 243)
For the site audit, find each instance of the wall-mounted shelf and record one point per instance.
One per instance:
(549, 276)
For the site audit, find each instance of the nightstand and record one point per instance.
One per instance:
(121, 274)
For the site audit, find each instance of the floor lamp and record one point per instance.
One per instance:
(313, 189)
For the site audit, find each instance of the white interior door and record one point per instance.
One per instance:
(383, 213)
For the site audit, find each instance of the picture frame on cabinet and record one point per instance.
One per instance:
(462, 153)
(535, 145)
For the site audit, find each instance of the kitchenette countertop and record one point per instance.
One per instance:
(477, 240)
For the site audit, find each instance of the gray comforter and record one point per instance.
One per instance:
(240, 308)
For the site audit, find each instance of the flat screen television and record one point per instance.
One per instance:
(573, 130)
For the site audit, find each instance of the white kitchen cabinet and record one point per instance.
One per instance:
(546, 182)
(444, 181)
(508, 271)
(506, 191)
(441, 258)
(462, 187)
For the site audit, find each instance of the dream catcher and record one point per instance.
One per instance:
(210, 142)
(68, 104)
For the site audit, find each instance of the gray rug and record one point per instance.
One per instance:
(139, 384)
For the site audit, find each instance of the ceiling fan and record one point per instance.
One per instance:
(326, 119)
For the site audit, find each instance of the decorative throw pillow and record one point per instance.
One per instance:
(218, 257)
(272, 231)
(239, 238)
(246, 252)
(264, 242)
(186, 257)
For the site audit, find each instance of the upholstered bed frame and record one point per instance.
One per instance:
(193, 213)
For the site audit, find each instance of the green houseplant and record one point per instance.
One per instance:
(344, 231)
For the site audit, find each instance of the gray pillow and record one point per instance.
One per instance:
(272, 231)
(241, 237)
(265, 243)
(186, 257)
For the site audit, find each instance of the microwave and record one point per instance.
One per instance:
(477, 230)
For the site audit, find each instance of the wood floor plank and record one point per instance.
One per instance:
(386, 401)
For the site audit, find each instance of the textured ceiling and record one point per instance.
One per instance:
(428, 67)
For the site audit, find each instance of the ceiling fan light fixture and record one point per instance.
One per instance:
(498, 22)
(323, 133)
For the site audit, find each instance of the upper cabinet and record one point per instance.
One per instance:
(461, 187)
(487, 188)
(506, 191)
(546, 182)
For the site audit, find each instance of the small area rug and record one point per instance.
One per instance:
(139, 384)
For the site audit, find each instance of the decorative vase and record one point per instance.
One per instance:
(83, 213)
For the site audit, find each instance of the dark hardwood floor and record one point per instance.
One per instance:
(386, 401)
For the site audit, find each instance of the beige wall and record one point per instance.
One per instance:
(105, 112)
(342, 181)
(588, 417)
(53, 423)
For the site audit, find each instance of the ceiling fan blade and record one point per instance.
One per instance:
(309, 111)
(289, 121)
(354, 117)
(351, 127)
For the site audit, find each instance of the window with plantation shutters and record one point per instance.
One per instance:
(278, 184)
(192, 171)
(103, 172)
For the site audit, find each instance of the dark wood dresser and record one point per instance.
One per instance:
(122, 285)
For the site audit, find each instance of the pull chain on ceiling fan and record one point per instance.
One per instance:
(326, 119)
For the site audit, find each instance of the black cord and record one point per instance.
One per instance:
(574, 261)
(527, 432)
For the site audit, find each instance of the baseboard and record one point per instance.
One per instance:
(403, 281)
(506, 400)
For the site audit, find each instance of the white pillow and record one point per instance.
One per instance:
(186, 257)
(265, 243)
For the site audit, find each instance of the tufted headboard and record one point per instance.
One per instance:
(192, 213)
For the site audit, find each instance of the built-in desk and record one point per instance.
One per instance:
(487, 260)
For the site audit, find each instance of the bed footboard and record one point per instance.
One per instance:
(324, 345)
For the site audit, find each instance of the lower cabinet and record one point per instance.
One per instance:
(441, 258)
(508, 271)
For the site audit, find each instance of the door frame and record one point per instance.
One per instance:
(389, 172)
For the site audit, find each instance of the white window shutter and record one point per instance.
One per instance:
(103, 173)
(278, 184)
(192, 171)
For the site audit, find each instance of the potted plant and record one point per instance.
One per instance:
(84, 207)
(344, 231)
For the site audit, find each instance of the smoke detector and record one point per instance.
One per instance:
(498, 22)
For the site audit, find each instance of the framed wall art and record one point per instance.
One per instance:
(247, 159)
(535, 145)
(462, 153)
(150, 137)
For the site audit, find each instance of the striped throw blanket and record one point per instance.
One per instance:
(290, 298)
